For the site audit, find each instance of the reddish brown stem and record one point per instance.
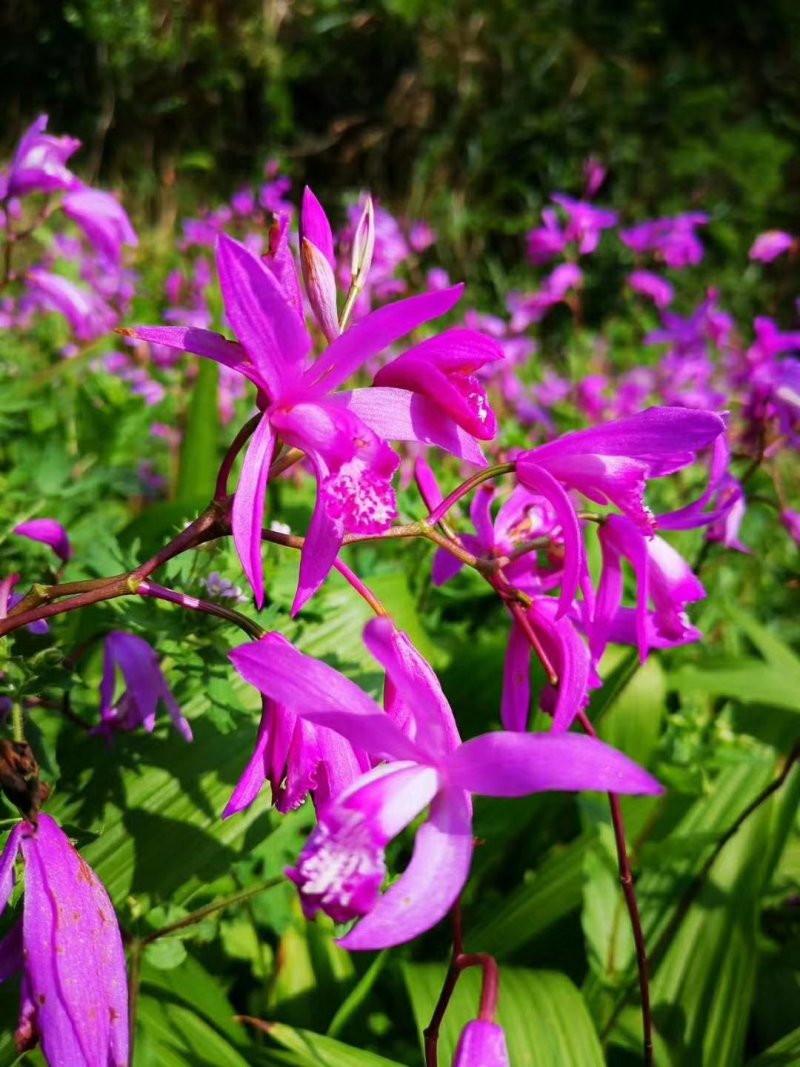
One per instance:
(238, 443)
(626, 881)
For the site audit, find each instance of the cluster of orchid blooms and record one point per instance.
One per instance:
(336, 387)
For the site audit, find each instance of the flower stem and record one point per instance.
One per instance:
(160, 592)
(460, 491)
(626, 881)
(238, 443)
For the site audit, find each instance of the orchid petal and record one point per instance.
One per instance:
(321, 547)
(315, 227)
(516, 764)
(316, 691)
(662, 435)
(417, 686)
(541, 481)
(272, 332)
(247, 514)
(50, 533)
(398, 415)
(516, 700)
(445, 566)
(430, 884)
(373, 334)
(198, 342)
(7, 861)
(75, 961)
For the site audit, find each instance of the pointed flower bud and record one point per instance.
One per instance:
(363, 243)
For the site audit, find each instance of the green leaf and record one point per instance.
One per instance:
(544, 1017)
(552, 892)
(751, 680)
(199, 462)
(316, 1050)
(784, 1053)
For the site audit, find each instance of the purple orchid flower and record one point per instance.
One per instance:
(68, 946)
(342, 867)
(768, 246)
(344, 435)
(39, 165)
(611, 464)
(663, 577)
(585, 222)
(87, 313)
(525, 516)
(673, 239)
(50, 533)
(145, 686)
(595, 174)
(296, 758)
(103, 219)
(528, 308)
(481, 1044)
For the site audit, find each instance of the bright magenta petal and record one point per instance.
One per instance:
(416, 685)
(398, 415)
(198, 342)
(430, 884)
(516, 764)
(270, 329)
(516, 702)
(321, 695)
(247, 515)
(541, 481)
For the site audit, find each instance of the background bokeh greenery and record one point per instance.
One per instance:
(471, 111)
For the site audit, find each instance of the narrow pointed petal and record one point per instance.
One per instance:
(312, 689)
(515, 706)
(7, 861)
(75, 960)
(253, 776)
(376, 332)
(321, 289)
(430, 884)
(272, 332)
(190, 339)
(315, 227)
(247, 515)
(541, 481)
(416, 685)
(320, 549)
(398, 415)
(516, 764)
(664, 435)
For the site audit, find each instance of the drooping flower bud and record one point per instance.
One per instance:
(482, 1044)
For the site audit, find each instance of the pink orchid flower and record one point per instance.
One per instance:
(342, 867)
(344, 435)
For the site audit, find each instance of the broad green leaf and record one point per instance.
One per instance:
(199, 460)
(542, 1013)
(553, 891)
(312, 976)
(751, 681)
(317, 1050)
